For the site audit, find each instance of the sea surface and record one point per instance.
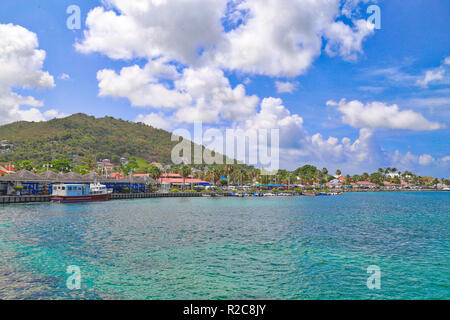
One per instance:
(218, 248)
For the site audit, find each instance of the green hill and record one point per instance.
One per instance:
(83, 136)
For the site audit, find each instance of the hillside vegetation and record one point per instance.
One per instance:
(83, 136)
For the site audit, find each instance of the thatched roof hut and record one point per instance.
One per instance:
(72, 177)
(21, 176)
(49, 176)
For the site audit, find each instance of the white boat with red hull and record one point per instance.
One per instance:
(66, 193)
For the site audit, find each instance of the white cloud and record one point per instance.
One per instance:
(21, 67)
(156, 120)
(380, 115)
(285, 87)
(214, 97)
(345, 41)
(447, 61)
(410, 161)
(274, 115)
(147, 28)
(273, 37)
(142, 86)
(64, 76)
(282, 38)
(431, 76)
(202, 94)
(52, 114)
(425, 159)
(434, 75)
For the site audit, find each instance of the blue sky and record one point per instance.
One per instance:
(373, 70)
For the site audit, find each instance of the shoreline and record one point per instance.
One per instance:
(126, 196)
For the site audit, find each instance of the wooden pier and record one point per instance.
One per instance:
(114, 196)
(119, 196)
(23, 199)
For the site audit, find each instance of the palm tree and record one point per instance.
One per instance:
(338, 172)
(154, 172)
(185, 172)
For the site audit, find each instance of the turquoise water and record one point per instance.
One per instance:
(204, 248)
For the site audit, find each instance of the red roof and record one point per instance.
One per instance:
(116, 175)
(387, 183)
(171, 175)
(139, 175)
(2, 172)
(180, 180)
(366, 183)
(342, 178)
(10, 167)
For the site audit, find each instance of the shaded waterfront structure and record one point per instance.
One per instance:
(29, 183)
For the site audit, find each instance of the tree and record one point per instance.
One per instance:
(24, 165)
(128, 168)
(376, 178)
(307, 173)
(185, 172)
(338, 172)
(348, 179)
(62, 165)
(396, 180)
(154, 172)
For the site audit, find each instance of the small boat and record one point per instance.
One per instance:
(309, 194)
(65, 193)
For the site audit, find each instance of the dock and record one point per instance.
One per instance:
(114, 196)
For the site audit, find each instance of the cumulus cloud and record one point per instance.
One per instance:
(410, 161)
(52, 114)
(176, 29)
(202, 94)
(347, 41)
(21, 63)
(156, 120)
(267, 37)
(283, 38)
(142, 86)
(378, 115)
(285, 87)
(274, 115)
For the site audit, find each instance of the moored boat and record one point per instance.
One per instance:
(65, 193)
